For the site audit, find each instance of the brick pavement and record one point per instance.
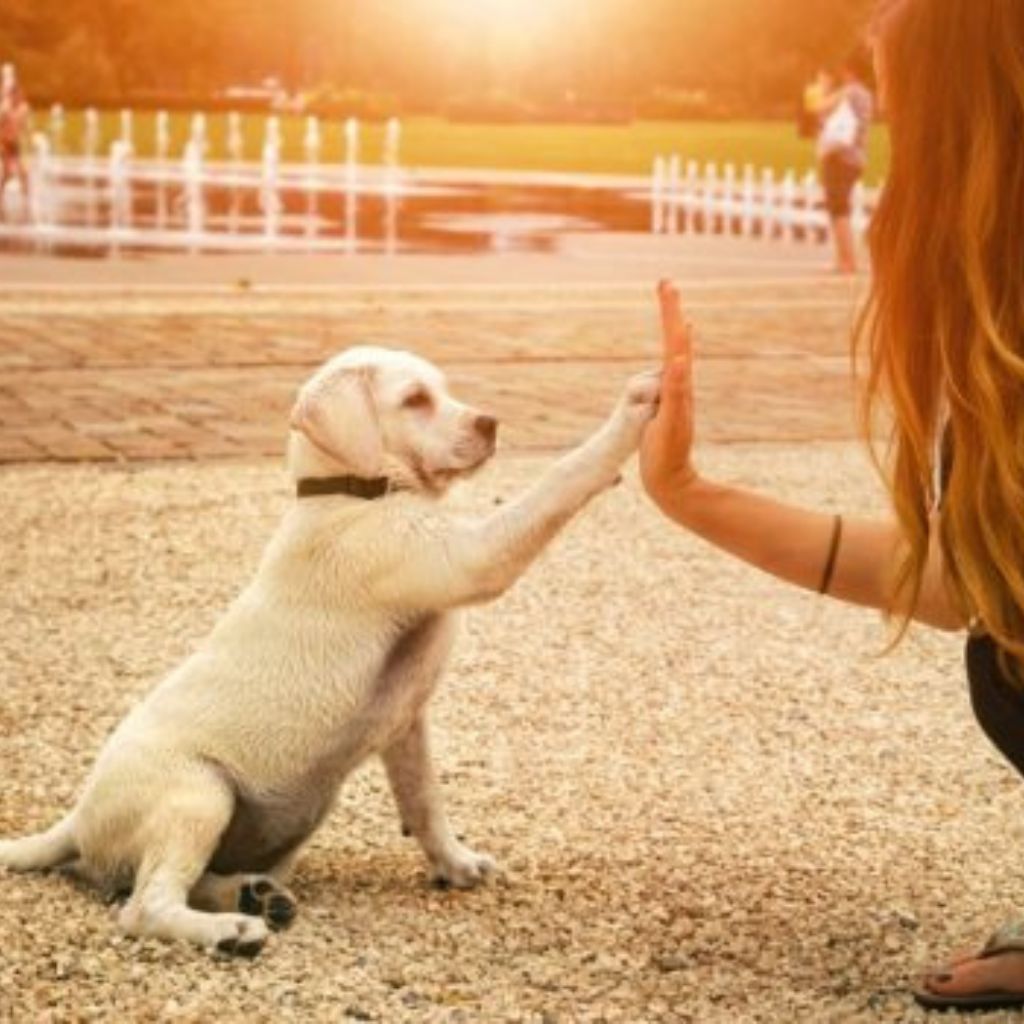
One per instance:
(156, 375)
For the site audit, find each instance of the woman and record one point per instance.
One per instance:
(14, 112)
(843, 154)
(943, 337)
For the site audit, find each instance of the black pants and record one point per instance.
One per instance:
(998, 704)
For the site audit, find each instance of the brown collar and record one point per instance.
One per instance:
(353, 486)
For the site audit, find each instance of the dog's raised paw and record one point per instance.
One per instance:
(262, 897)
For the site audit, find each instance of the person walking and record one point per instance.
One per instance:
(14, 114)
(846, 116)
(942, 337)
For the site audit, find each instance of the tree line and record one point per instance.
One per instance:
(739, 56)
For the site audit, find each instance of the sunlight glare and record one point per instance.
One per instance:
(501, 14)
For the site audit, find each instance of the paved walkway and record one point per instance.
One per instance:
(162, 367)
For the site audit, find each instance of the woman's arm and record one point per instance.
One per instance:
(789, 542)
(793, 544)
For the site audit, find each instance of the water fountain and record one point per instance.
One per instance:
(351, 184)
(392, 138)
(198, 132)
(192, 169)
(162, 148)
(311, 146)
(90, 133)
(127, 128)
(674, 168)
(235, 140)
(658, 196)
(392, 184)
(236, 154)
(41, 200)
(90, 148)
(120, 193)
(57, 124)
(270, 199)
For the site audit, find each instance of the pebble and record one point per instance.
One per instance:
(717, 803)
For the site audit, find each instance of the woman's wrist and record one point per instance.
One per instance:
(680, 494)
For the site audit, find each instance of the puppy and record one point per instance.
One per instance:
(202, 797)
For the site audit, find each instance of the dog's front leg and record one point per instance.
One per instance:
(417, 793)
(448, 565)
(504, 544)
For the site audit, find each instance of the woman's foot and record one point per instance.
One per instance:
(991, 979)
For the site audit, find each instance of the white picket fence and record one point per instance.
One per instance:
(710, 200)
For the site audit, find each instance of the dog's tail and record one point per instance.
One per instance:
(48, 849)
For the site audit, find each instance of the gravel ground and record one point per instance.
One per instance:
(712, 799)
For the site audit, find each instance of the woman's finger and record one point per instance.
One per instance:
(677, 383)
(675, 407)
(674, 329)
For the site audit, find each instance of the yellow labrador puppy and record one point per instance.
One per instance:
(203, 795)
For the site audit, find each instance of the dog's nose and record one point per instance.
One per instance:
(487, 427)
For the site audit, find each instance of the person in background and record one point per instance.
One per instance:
(14, 114)
(942, 340)
(846, 116)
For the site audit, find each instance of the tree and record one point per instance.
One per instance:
(754, 52)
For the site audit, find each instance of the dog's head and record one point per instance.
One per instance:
(373, 412)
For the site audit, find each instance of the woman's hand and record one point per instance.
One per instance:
(665, 452)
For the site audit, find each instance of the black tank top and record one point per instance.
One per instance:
(983, 666)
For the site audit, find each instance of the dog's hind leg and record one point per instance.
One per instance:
(48, 849)
(181, 837)
(259, 895)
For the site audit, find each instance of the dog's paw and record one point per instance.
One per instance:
(239, 935)
(234, 934)
(642, 395)
(461, 868)
(636, 408)
(261, 896)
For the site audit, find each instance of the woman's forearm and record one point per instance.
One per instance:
(789, 542)
(793, 544)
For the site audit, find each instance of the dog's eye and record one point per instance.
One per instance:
(419, 399)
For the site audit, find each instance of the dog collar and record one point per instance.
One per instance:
(353, 486)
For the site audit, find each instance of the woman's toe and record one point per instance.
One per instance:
(957, 957)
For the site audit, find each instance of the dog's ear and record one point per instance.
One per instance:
(336, 412)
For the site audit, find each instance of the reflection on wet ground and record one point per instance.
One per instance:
(443, 218)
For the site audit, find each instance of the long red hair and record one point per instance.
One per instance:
(943, 330)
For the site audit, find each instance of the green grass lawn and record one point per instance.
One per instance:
(433, 142)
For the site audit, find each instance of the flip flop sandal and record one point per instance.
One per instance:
(1008, 939)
